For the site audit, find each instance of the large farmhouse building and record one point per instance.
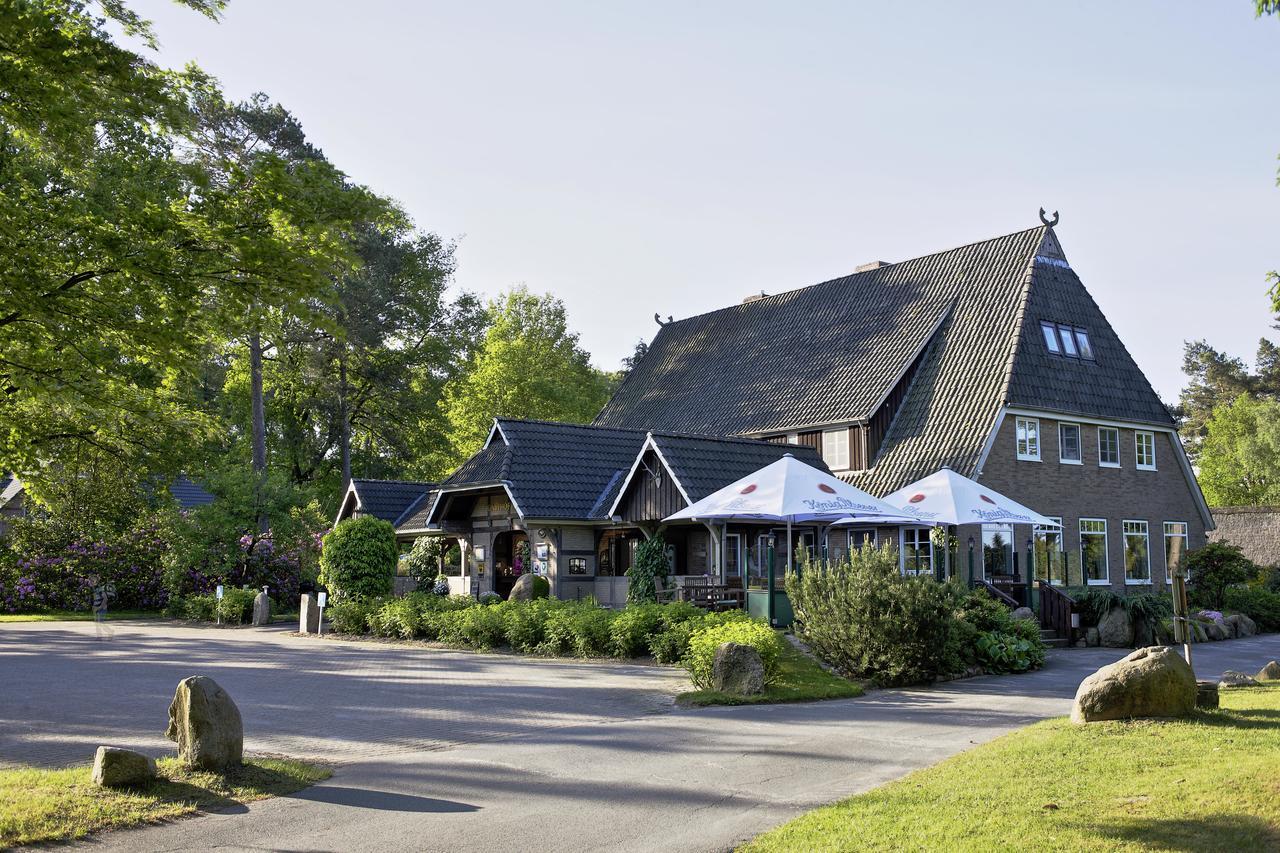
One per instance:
(991, 359)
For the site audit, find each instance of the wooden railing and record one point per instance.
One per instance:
(1056, 608)
(996, 592)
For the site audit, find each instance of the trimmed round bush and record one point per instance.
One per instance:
(359, 558)
(745, 632)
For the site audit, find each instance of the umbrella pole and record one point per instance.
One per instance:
(790, 548)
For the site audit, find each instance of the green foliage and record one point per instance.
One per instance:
(1095, 602)
(868, 621)
(422, 563)
(650, 566)
(1239, 460)
(1260, 605)
(703, 644)
(359, 558)
(630, 633)
(473, 627)
(401, 618)
(236, 605)
(1215, 568)
(579, 629)
(350, 615)
(529, 365)
(998, 652)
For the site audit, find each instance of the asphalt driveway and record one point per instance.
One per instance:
(454, 751)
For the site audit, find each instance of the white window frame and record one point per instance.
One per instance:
(1184, 535)
(917, 534)
(1106, 552)
(793, 438)
(1038, 531)
(1023, 425)
(1137, 450)
(1079, 444)
(1102, 464)
(828, 452)
(869, 538)
(1146, 536)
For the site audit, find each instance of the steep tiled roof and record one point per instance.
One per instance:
(702, 465)
(1254, 529)
(417, 514)
(388, 499)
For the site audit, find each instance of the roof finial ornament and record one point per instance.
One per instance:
(657, 318)
(1045, 219)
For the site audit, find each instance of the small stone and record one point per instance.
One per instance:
(121, 768)
(1233, 678)
(1091, 637)
(308, 615)
(737, 669)
(1270, 672)
(1150, 682)
(1115, 629)
(262, 608)
(1206, 694)
(206, 725)
(1023, 613)
(1082, 643)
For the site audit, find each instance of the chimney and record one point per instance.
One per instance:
(755, 297)
(873, 265)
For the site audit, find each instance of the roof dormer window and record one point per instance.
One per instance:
(1071, 341)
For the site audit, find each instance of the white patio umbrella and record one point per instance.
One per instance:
(945, 497)
(788, 491)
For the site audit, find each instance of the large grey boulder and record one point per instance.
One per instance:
(1232, 678)
(737, 669)
(1150, 682)
(1115, 629)
(1091, 637)
(206, 725)
(1270, 672)
(309, 615)
(262, 608)
(1216, 630)
(1240, 625)
(528, 587)
(1023, 613)
(122, 768)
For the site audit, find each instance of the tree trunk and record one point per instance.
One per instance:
(259, 426)
(344, 422)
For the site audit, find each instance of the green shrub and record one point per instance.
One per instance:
(359, 558)
(422, 562)
(649, 567)
(1258, 604)
(399, 618)
(351, 616)
(541, 587)
(747, 632)
(1094, 603)
(1269, 579)
(864, 618)
(524, 624)
(632, 629)
(202, 608)
(1000, 652)
(578, 628)
(490, 597)
(236, 606)
(1214, 569)
(472, 627)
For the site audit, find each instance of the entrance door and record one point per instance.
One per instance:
(509, 561)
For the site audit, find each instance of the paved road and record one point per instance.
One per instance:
(453, 751)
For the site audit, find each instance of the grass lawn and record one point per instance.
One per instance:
(800, 679)
(57, 805)
(76, 616)
(1210, 782)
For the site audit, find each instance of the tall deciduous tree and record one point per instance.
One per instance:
(530, 365)
(1239, 461)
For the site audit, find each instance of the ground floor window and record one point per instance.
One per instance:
(1047, 553)
(733, 555)
(862, 539)
(1175, 547)
(917, 551)
(1093, 550)
(997, 549)
(616, 552)
(1137, 556)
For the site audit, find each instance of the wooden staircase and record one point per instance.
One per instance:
(1054, 640)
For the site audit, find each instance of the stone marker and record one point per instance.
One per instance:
(121, 768)
(737, 669)
(525, 588)
(1115, 629)
(262, 608)
(1023, 613)
(1150, 682)
(1270, 672)
(1240, 625)
(309, 615)
(1206, 694)
(206, 725)
(1232, 678)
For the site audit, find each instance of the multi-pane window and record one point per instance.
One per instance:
(1109, 447)
(835, 449)
(862, 539)
(1028, 431)
(1082, 343)
(1069, 443)
(1145, 450)
(1093, 549)
(1051, 337)
(733, 555)
(997, 549)
(1137, 554)
(1068, 342)
(917, 551)
(1047, 543)
(1175, 547)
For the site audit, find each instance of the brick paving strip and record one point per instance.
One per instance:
(452, 751)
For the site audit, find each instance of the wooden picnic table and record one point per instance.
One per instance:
(713, 596)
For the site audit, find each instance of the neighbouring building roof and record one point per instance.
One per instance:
(703, 465)
(384, 499)
(1255, 530)
(831, 353)
(189, 494)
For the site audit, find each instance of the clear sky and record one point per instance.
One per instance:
(675, 157)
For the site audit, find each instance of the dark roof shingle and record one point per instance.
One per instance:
(388, 499)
